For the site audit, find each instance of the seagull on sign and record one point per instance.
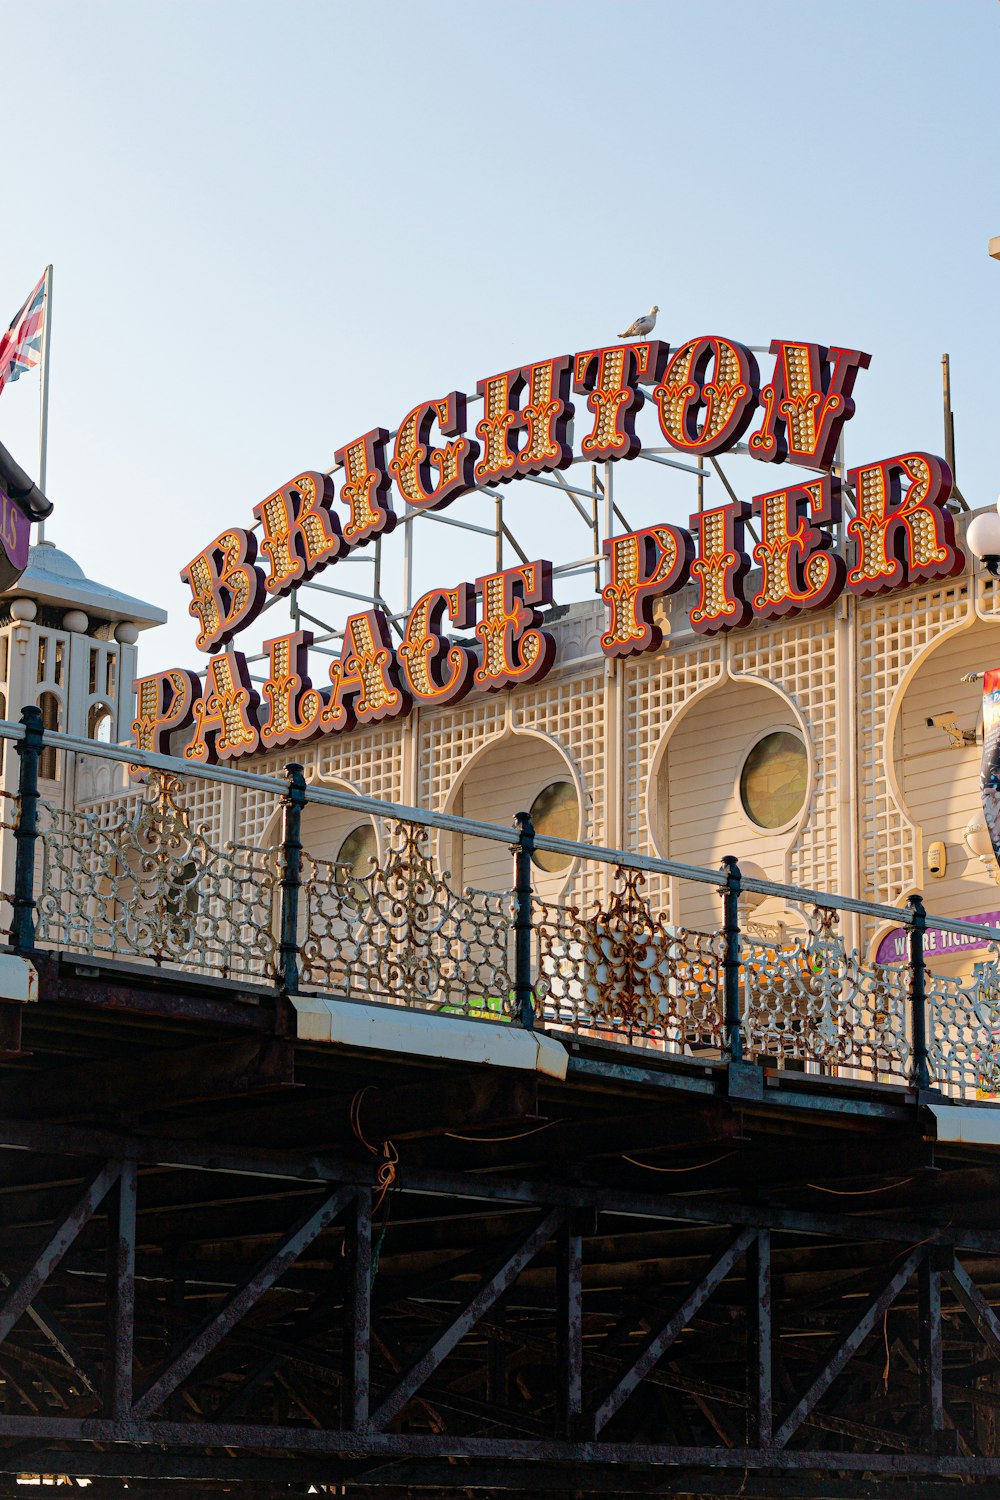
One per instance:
(642, 327)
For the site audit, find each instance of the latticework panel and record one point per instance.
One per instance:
(657, 688)
(202, 801)
(800, 658)
(892, 632)
(448, 741)
(571, 710)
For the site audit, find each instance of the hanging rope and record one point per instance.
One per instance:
(385, 1176)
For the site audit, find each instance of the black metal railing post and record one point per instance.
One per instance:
(291, 877)
(920, 1076)
(731, 959)
(523, 989)
(22, 927)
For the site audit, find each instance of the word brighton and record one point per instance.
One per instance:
(706, 393)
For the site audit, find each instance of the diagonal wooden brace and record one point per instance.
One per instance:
(22, 1293)
(975, 1304)
(654, 1349)
(214, 1329)
(502, 1277)
(849, 1345)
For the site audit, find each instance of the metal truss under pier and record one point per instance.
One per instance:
(234, 1261)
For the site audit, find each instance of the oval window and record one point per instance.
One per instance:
(555, 812)
(357, 858)
(773, 782)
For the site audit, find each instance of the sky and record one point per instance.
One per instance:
(275, 226)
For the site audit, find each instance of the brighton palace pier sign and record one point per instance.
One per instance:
(707, 395)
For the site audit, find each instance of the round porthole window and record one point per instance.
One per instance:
(773, 782)
(556, 813)
(356, 859)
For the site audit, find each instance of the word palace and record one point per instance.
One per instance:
(707, 395)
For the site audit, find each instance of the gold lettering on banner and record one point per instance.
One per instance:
(225, 717)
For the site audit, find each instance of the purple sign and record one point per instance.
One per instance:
(15, 529)
(895, 946)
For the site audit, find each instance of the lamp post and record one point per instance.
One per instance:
(983, 538)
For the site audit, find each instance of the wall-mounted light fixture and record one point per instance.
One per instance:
(978, 842)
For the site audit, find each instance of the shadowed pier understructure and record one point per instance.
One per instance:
(455, 1247)
(651, 1275)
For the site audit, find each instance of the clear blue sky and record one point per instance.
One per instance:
(275, 226)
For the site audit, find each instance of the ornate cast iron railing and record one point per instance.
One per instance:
(143, 883)
(400, 932)
(139, 878)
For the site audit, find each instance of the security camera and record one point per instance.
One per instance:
(948, 721)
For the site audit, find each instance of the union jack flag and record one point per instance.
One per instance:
(21, 345)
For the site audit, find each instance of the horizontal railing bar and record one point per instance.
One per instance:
(449, 823)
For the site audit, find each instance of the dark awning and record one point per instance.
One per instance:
(23, 491)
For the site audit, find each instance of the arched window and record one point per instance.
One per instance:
(48, 765)
(99, 721)
(555, 813)
(357, 857)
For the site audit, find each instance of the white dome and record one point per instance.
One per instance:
(49, 558)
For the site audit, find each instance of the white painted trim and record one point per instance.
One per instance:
(18, 978)
(414, 1033)
(978, 1124)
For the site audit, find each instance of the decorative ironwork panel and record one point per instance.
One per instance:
(963, 1031)
(143, 883)
(807, 999)
(623, 972)
(401, 933)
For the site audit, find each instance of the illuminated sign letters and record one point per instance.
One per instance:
(707, 395)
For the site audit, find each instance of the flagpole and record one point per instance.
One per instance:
(43, 430)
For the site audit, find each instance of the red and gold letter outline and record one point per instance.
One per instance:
(365, 490)
(365, 677)
(294, 703)
(513, 650)
(301, 535)
(902, 536)
(413, 457)
(423, 650)
(806, 403)
(720, 568)
(714, 379)
(225, 717)
(612, 378)
(545, 418)
(164, 704)
(642, 565)
(228, 589)
(799, 568)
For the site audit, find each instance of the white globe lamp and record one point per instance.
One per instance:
(983, 537)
